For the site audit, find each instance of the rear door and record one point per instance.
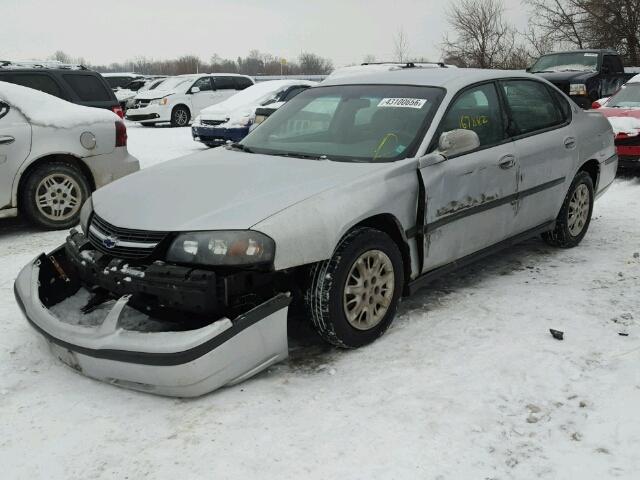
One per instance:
(225, 88)
(540, 122)
(469, 199)
(15, 145)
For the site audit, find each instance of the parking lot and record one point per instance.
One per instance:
(467, 383)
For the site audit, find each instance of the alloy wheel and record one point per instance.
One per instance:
(368, 291)
(58, 197)
(578, 210)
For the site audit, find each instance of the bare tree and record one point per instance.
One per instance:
(369, 58)
(481, 36)
(591, 24)
(60, 56)
(401, 46)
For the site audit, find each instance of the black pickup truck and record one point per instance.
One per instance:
(584, 75)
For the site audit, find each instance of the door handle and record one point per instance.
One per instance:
(507, 162)
(6, 140)
(569, 142)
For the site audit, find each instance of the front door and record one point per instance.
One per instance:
(204, 98)
(15, 145)
(470, 199)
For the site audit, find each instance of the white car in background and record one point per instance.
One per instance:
(179, 99)
(232, 119)
(126, 96)
(54, 153)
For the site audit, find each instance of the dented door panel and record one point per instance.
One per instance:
(469, 204)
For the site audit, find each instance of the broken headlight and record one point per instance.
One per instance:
(222, 248)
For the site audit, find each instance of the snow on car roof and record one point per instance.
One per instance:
(255, 94)
(634, 79)
(451, 78)
(48, 111)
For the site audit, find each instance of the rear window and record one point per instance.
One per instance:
(37, 81)
(242, 83)
(88, 88)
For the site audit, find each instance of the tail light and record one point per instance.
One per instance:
(118, 111)
(121, 134)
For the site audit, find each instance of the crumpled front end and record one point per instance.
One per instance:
(129, 336)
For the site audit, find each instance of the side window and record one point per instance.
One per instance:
(612, 64)
(204, 84)
(242, 83)
(44, 83)
(477, 109)
(88, 88)
(224, 83)
(292, 92)
(565, 107)
(531, 106)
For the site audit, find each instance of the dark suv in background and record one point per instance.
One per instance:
(73, 83)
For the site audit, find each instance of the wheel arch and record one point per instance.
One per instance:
(55, 157)
(389, 224)
(592, 167)
(182, 105)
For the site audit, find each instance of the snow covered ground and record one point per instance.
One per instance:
(467, 384)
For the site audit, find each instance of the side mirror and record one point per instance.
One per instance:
(528, 69)
(457, 142)
(195, 89)
(596, 105)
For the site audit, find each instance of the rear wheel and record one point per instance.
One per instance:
(352, 298)
(575, 215)
(53, 194)
(180, 116)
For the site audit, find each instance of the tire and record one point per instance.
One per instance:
(575, 215)
(180, 116)
(148, 124)
(326, 299)
(48, 188)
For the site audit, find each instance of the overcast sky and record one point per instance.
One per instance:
(115, 30)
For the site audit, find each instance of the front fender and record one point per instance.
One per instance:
(309, 231)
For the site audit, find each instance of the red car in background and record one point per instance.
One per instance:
(622, 110)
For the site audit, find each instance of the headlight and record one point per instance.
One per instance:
(577, 89)
(159, 101)
(85, 215)
(224, 248)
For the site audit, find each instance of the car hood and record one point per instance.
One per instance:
(620, 112)
(219, 189)
(222, 113)
(153, 94)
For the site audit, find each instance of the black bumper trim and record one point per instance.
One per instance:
(239, 324)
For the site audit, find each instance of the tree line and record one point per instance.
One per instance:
(480, 36)
(256, 63)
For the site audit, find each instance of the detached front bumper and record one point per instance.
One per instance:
(218, 135)
(148, 355)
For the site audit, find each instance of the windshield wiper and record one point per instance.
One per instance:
(299, 155)
(241, 147)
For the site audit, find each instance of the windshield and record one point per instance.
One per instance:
(349, 123)
(627, 97)
(567, 62)
(173, 83)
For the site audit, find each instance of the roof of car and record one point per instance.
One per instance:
(453, 78)
(585, 50)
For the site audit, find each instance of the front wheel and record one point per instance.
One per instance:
(53, 194)
(352, 298)
(575, 215)
(180, 116)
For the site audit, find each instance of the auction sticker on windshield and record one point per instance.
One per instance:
(402, 102)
